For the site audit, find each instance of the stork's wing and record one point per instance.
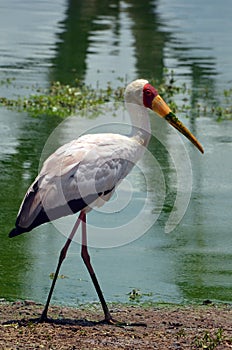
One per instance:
(74, 176)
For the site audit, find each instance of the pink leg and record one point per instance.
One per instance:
(85, 256)
(61, 259)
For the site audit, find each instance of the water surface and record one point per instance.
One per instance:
(99, 42)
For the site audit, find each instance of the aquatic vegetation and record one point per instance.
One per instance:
(135, 295)
(63, 100)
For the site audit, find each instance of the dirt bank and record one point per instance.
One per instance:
(158, 327)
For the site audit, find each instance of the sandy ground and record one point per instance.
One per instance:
(153, 327)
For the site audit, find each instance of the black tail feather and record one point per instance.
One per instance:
(70, 207)
(16, 231)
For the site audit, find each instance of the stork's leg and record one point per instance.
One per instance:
(85, 256)
(61, 259)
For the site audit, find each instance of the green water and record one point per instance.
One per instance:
(99, 42)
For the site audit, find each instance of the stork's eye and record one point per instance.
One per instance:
(148, 92)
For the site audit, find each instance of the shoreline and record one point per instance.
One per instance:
(149, 327)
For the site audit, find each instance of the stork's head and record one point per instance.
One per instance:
(144, 94)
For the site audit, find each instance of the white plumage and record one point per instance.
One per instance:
(86, 170)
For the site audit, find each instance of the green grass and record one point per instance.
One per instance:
(209, 340)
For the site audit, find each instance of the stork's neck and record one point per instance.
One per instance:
(141, 128)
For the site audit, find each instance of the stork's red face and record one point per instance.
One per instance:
(152, 100)
(149, 93)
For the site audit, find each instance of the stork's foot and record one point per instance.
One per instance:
(43, 318)
(112, 322)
